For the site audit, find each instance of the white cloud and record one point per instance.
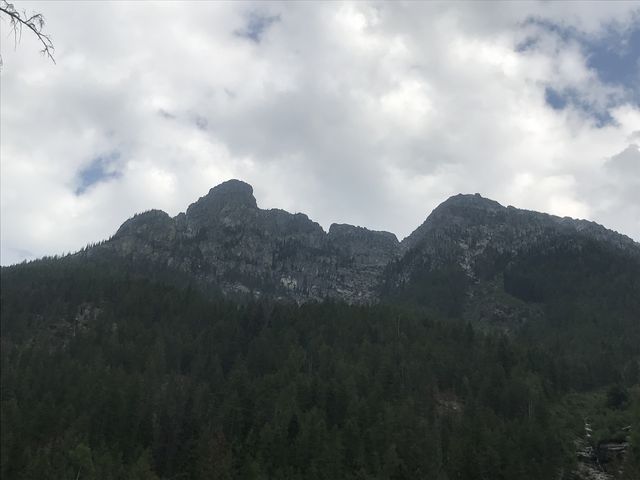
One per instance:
(364, 113)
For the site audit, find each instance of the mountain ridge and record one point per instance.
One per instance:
(469, 245)
(237, 192)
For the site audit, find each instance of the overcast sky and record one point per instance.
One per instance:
(363, 113)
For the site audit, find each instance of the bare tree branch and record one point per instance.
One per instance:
(35, 23)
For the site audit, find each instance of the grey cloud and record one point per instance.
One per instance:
(200, 121)
(165, 114)
(626, 163)
(614, 191)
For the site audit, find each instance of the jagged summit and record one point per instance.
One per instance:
(457, 212)
(472, 215)
(465, 200)
(230, 194)
(235, 191)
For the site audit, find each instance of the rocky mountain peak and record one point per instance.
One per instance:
(145, 223)
(459, 212)
(474, 201)
(233, 191)
(229, 195)
(465, 210)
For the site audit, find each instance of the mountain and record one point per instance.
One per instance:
(225, 241)
(476, 258)
(492, 342)
(472, 257)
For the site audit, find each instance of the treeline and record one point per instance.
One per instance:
(108, 376)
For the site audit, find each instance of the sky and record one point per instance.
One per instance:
(365, 113)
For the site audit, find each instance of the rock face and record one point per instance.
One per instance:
(500, 260)
(466, 258)
(224, 239)
(479, 234)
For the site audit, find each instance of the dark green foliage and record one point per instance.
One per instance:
(617, 396)
(576, 269)
(441, 290)
(109, 376)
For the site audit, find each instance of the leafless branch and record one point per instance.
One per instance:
(35, 23)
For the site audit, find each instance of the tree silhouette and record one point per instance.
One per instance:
(34, 22)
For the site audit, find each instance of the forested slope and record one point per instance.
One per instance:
(109, 375)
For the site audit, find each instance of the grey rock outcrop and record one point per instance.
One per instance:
(480, 236)
(483, 249)
(224, 241)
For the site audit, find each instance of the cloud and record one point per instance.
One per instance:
(616, 186)
(626, 163)
(366, 113)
